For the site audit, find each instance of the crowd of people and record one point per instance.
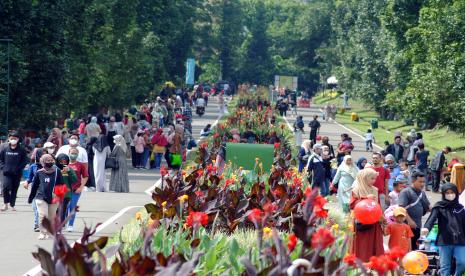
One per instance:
(397, 177)
(77, 155)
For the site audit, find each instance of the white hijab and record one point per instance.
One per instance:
(352, 169)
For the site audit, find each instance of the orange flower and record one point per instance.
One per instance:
(350, 260)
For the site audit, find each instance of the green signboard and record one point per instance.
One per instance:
(243, 155)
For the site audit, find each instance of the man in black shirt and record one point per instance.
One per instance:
(314, 128)
(13, 159)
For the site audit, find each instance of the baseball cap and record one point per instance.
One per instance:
(400, 211)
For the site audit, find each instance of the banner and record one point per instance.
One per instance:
(243, 155)
(190, 71)
(289, 82)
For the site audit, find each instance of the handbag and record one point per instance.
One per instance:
(111, 163)
(158, 149)
(176, 159)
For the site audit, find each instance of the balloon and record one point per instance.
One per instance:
(415, 262)
(368, 211)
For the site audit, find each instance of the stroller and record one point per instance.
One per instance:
(427, 247)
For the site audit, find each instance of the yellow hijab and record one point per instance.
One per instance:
(361, 186)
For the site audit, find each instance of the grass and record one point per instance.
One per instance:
(435, 139)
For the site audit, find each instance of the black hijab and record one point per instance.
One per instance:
(61, 157)
(444, 203)
(101, 143)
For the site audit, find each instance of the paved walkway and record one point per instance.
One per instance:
(17, 239)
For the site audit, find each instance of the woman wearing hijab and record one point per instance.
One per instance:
(450, 216)
(304, 154)
(101, 150)
(93, 129)
(55, 138)
(119, 181)
(344, 179)
(367, 239)
(361, 162)
(90, 163)
(69, 177)
(457, 176)
(42, 189)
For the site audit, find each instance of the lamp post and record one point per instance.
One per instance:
(8, 41)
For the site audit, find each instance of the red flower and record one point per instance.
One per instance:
(199, 193)
(60, 191)
(269, 208)
(203, 145)
(350, 260)
(163, 171)
(297, 182)
(292, 242)
(396, 253)
(382, 264)
(288, 174)
(277, 145)
(308, 192)
(277, 192)
(322, 238)
(199, 172)
(256, 215)
(318, 207)
(216, 135)
(211, 169)
(228, 182)
(197, 218)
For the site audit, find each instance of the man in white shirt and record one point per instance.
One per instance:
(74, 143)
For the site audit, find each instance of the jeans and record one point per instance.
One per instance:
(72, 206)
(36, 213)
(446, 252)
(369, 145)
(82, 140)
(324, 188)
(436, 180)
(10, 188)
(145, 157)
(158, 157)
(138, 160)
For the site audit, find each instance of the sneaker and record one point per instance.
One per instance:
(42, 236)
(36, 229)
(69, 228)
(4, 207)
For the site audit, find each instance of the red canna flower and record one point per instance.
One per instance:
(288, 174)
(350, 260)
(60, 191)
(256, 215)
(197, 218)
(396, 253)
(297, 183)
(322, 238)
(199, 172)
(199, 193)
(382, 264)
(163, 171)
(277, 145)
(269, 208)
(318, 207)
(228, 182)
(292, 242)
(211, 169)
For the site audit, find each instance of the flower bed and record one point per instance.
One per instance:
(208, 219)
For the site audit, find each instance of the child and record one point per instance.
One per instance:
(399, 232)
(394, 195)
(404, 171)
(369, 139)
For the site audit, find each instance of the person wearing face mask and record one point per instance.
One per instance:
(33, 168)
(78, 186)
(42, 189)
(13, 160)
(69, 177)
(74, 144)
(450, 216)
(49, 148)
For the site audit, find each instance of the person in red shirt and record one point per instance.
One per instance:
(82, 177)
(382, 179)
(399, 232)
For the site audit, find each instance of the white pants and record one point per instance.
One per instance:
(46, 210)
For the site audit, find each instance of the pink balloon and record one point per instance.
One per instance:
(368, 211)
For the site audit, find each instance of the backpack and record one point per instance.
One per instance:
(300, 124)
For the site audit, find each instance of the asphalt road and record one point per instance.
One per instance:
(17, 239)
